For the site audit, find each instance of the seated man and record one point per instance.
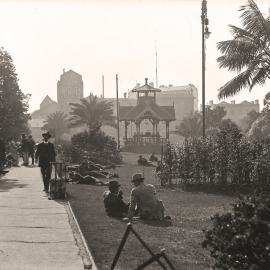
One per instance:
(113, 201)
(143, 200)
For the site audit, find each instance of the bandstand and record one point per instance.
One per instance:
(146, 109)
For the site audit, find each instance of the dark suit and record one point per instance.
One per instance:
(45, 154)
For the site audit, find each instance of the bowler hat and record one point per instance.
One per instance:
(114, 184)
(137, 177)
(46, 134)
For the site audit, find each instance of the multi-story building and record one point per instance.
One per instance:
(237, 111)
(69, 90)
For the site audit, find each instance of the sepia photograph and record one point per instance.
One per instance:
(135, 134)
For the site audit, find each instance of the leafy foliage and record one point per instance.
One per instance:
(226, 159)
(92, 113)
(247, 53)
(248, 120)
(57, 124)
(191, 126)
(96, 146)
(13, 103)
(240, 239)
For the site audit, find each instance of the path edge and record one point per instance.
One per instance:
(90, 258)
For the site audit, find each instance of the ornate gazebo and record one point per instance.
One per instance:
(146, 108)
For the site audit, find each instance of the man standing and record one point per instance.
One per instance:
(31, 146)
(25, 150)
(45, 154)
(143, 200)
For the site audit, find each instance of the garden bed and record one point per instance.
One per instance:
(190, 212)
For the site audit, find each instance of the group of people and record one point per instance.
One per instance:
(27, 149)
(143, 201)
(11, 151)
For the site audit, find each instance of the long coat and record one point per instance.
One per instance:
(45, 154)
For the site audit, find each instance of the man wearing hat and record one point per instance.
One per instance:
(143, 200)
(113, 201)
(45, 154)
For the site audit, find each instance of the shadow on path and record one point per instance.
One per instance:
(8, 184)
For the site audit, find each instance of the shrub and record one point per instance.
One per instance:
(95, 146)
(241, 239)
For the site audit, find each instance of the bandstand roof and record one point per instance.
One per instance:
(145, 88)
(146, 111)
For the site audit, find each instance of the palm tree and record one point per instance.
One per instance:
(248, 53)
(57, 124)
(93, 113)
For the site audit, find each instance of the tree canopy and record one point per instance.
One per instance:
(57, 124)
(13, 102)
(92, 112)
(248, 52)
(191, 125)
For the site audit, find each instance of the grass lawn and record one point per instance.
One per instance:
(190, 212)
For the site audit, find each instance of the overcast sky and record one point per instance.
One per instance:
(109, 37)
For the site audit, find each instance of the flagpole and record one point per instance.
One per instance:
(117, 113)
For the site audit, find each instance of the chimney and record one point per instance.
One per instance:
(256, 101)
(146, 80)
(211, 102)
(233, 102)
(125, 95)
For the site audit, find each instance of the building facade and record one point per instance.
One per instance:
(69, 90)
(237, 111)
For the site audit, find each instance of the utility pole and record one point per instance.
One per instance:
(103, 86)
(156, 67)
(117, 113)
(205, 35)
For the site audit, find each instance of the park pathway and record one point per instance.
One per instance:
(34, 232)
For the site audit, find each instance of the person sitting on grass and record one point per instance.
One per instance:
(143, 200)
(144, 162)
(113, 201)
(86, 180)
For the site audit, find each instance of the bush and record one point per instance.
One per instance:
(96, 146)
(227, 158)
(241, 239)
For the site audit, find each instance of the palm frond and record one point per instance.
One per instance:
(235, 85)
(259, 78)
(253, 20)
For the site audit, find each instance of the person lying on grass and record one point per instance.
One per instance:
(143, 200)
(113, 201)
(86, 180)
(86, 168)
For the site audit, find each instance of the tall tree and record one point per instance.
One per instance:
(13, 103)
(191, 125)
(248, 53)
(248, 120)
(214, 116)
(93, 113)
(57, 124)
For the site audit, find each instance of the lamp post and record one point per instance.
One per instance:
(205, 35)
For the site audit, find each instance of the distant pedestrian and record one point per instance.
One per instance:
(45, 154)
(2, 155)
(25, 150)
(12, 151)
(31, 148)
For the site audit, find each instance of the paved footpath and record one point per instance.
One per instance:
(34, 232)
